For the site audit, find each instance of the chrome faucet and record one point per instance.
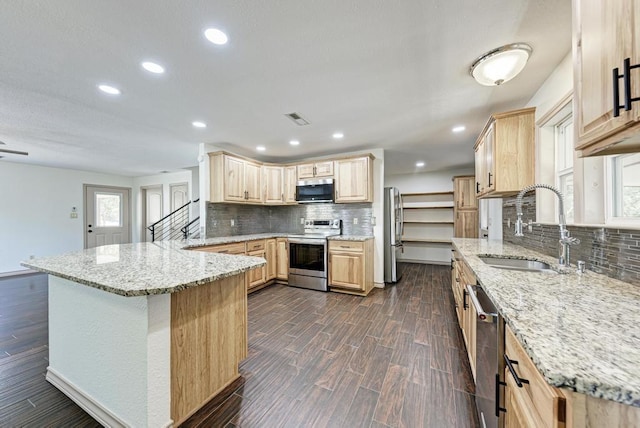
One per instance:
(565, 239)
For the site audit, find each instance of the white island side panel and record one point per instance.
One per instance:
(113, 350)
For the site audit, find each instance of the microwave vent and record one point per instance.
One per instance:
(297, 119)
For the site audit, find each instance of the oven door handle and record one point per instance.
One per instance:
(310, 241)
(482, 314)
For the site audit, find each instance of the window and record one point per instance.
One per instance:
(624, 188)
(108, 210)
(564, 163)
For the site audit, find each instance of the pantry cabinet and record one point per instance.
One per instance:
(234, 179)
(321, 169)
(605, 33)
(354, 180)
(465, 209)
(505, 154)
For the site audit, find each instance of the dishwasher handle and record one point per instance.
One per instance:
(482, 314)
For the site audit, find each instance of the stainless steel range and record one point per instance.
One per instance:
(308, 254)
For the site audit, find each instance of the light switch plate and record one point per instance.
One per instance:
(233, 222)
(355, 220)
(73, 215)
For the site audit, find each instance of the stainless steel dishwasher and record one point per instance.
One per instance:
(489, 361)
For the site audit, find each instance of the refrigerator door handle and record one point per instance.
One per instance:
(401, 217)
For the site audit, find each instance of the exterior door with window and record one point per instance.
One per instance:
(107, 215)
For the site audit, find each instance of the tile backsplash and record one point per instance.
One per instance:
(249, 219)
(610, 251)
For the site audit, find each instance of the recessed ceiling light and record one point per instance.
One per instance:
(294, 142)
(198, 124)
(420, 164)
(338, 135)
(458, 128)
(216, 36)
(108, 89)
(261, 148)
(152, 67)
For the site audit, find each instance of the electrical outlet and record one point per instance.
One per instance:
(73, 215)
(301, 220)
(233, 222)
(530, 226)
(373, 220)
(355, 220)
(508, 222)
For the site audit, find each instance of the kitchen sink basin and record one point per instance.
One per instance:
(517, 264)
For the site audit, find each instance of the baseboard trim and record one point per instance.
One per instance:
(427, 262)
(378, 284)
(18, 273)
(98, 412)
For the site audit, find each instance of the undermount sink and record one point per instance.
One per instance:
(517, 264)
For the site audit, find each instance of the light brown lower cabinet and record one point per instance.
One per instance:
(271, 256)
(282, 251)
(351, 266)
(530, 400)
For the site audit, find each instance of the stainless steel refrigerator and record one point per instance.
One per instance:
(393, 228)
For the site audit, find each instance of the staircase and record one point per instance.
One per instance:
(177, 224)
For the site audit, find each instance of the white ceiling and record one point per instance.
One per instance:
(388, 73)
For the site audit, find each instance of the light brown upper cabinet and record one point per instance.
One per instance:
(354, 180)
(242, 180)
(505, 154)
(234, 179)
(290, 178)
(315, 170)
(605, 34)
(273, 184)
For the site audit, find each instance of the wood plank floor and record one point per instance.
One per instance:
(393, 359)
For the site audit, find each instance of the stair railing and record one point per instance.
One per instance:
(171, 226)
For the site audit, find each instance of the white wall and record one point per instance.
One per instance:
(36, 206)
(437, 181)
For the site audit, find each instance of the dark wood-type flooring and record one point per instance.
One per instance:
(393, 359)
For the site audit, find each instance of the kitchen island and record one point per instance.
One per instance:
(145, 334)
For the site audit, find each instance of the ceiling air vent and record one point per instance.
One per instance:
(299, 120)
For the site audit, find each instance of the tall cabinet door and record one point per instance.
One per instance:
(290, 178)
(465, 194)
(605, 34)
(273, 183)
(271, 256)
(489, 153)
(252, 180)
(234, 179)
(479, 185)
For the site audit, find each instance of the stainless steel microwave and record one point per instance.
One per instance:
(310, 191)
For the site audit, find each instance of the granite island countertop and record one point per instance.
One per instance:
(144, 268)
(582, 331)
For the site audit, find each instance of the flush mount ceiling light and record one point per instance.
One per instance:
(198, 124)
(108, 89)
(152, 67)
(458, 128)
(500, 65)
(216, 36)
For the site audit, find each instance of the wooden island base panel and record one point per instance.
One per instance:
(206, 319)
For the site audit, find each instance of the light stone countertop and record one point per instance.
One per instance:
(144, 268)
(194, 243)
(350, 238)
(582, 331)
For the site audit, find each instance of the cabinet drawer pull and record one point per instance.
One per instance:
(510, 363)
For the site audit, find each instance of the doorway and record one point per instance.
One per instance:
(179, 195)
(151, 209)
(107, 216)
